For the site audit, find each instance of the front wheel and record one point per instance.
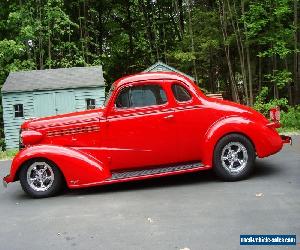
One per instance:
(234, 157)
(41, 178)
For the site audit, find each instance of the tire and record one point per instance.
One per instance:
(234, 157)
(40, 178)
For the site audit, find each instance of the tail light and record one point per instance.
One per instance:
(275, 114)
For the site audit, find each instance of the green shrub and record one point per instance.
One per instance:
(290, 116)
(2, 144)
(263, 106)
(290, 119)
(2, 140)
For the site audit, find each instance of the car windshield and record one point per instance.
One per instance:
(109, 95)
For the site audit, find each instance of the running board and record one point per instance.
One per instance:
(154, 172)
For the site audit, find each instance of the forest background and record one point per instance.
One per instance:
(246, 50)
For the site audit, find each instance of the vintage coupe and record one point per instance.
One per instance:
(151, 125)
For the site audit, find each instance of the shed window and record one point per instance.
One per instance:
(90, 103)
(18, 110)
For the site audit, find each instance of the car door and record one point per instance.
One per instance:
(192, 121)
(140, 127)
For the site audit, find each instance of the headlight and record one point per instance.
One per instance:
(21, 145)
(31, 137)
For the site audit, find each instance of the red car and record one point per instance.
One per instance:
(151, 125)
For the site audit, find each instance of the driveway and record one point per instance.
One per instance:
(192, 211)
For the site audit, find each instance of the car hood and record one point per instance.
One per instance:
(63, 119)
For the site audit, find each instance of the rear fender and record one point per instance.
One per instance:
(265, 140)
(78, 168)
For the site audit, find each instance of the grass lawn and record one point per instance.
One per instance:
(289, 131)
(9, 154)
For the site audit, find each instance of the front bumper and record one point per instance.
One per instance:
(7, 179)
(286, 139)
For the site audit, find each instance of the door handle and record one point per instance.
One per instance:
(168, 117)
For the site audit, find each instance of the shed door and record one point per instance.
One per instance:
(44, 104)
(64, 102)
(48, 104)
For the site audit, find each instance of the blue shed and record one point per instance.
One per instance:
(160, 66)
(40, 93)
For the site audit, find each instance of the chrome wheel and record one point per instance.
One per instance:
(40, 176)
(234, 157)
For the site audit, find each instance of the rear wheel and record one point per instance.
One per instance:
(234, 157)
(41, 178)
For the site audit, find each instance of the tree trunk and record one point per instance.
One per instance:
(81, 32)
(259, 74)
(234, 92)
(248, 58)
(85, 34)
(173, 20)
(49, 46)
(41, 56)
(296, 56)
(240, 46)
(276, 96)
(289, 85)
(148, 22)
(211, 81)
(180, 20)
(129, 28)
(181, 16)
(192, 40)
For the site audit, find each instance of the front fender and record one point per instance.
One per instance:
(78, 168)
(266, 141)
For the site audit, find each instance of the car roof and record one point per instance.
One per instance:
(151, 76)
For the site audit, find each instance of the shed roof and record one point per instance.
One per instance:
(51, 79)
(160, 66)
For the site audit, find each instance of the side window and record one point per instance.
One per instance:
(123, 99)
(18, 108)
(181, 93)
(141, 96)
(90, 103)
